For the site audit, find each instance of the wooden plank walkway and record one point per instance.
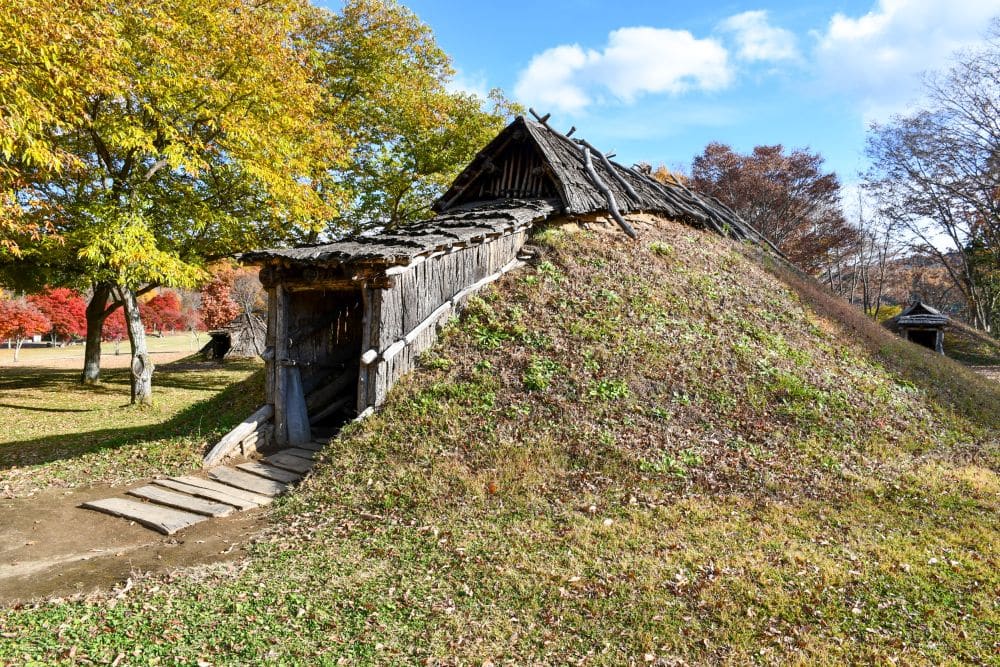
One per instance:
(171, 504)
(270, 472)
(182, 501)
(165, 520)
(247, 481)
(289, 462)
(240, 503)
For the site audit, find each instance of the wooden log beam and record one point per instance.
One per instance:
(610, 167)
(339, 404)
(232, 439)
(612, 204)
(328, 392)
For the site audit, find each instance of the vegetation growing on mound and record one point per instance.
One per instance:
(971, 346)
(640, 454)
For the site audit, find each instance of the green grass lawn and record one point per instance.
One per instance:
(39, 354)
(57, 432)
(645, 454)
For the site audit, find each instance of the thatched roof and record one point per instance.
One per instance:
(528, 173)
(562, 161)
(919, 314)
(405, 243)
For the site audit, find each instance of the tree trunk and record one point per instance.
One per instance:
(96, 314)
(17, 348)
(142, 363)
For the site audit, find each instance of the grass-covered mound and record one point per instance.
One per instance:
(648, 453)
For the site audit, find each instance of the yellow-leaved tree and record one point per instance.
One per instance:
(142, 139)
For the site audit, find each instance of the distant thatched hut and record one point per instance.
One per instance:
(243, 338)
(922, 325)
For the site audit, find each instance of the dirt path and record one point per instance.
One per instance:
(74, 359)
(992, 372)
(50, 547)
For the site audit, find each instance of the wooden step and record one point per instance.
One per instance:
(246, 481)
(182, 501)
(314, 446)
(270, 472)
(306, 454)
(258, 498)
(289, 462)
(210, 494)
(161, 519)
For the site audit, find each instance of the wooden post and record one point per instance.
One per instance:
(280, 371)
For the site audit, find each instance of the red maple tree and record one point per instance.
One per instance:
(163, 312)
(66, 310)
(115, 329)
(19, 320)
(217, 306)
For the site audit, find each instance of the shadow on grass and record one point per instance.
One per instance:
(205, 419)
(948, 381)
(32, 409)
(176, 375)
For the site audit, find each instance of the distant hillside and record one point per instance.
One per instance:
(667, 452)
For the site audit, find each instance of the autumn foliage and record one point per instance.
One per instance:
(115, 329)
(65, 309)
(217, 306)
(19, 320)
(164, 312)
(784, 195)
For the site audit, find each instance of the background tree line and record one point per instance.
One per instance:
(142, 140)
(927, 219)
(58, 314)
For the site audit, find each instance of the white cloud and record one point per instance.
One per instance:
(470, 84)
(758, 40)
(880, 55)
(635, 61)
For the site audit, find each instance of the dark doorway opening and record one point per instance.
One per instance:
(925, 337)
(325, 330)
(219, 344)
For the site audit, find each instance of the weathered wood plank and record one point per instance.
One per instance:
(258, 498)
(270, 472)
(281, 314)
(210, 494)
(229, 441)
(182, 501)
(288, 462)
(315, 445)
(301, 452)
(247, 482)
(161, 519)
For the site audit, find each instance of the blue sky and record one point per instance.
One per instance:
(656, 80)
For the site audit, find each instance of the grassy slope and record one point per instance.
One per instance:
(57, 432)
(628, 454)
(971, 346)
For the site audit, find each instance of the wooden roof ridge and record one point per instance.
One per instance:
(919, 313)
(584, 180)
(918, 305)
(589, 181)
